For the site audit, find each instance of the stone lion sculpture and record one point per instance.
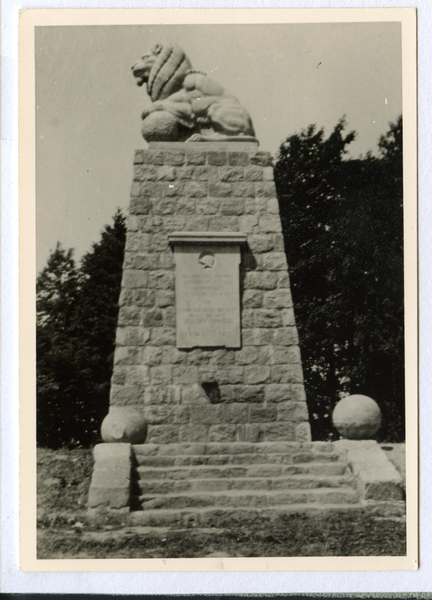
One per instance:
(187, 104)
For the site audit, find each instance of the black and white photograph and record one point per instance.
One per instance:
(226, 327)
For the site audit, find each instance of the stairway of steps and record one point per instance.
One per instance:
(214, 484)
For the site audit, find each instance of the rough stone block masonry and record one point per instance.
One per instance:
(238, 375)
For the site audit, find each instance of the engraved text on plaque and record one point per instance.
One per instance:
(207, 289)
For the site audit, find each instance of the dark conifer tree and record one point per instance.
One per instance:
(75, 339)
(343, 227)
(56, 293)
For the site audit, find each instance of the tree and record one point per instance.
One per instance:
(56, 292)
(77, 314)
(343, 223)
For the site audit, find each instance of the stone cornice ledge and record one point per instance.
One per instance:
(206, 237)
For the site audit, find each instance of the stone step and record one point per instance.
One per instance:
(235, 471)
(199, 449)
(167, 486)
(229, 517)
(247, 498)
(236, 459)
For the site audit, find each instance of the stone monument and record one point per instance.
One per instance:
(207, 346)
(208, 421)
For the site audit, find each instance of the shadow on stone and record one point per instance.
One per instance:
(212, 391)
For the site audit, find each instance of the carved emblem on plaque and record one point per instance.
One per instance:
(207, 260)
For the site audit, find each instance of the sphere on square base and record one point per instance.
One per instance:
(124, 425)
(357, 417)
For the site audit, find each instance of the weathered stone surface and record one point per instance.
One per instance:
(229, 375)
(166, 206)
(224, 223)
(252, 299)
(109, 496)
(152, 318)
(287, 336)
(193, 433)
(231, 174)
(222, 433)
(267, 318)
(238, 158)
(253, 173)
(265, 189)
(127, 355)
(161, 375)
(377, 478)
(197, 224)
(233, 206)
(261, 414)
(209, 206)
(298, 393)
(132, 336)
(207, 287)
(277, 393)
(248, 355)
(293, 411)
(381, 485)
(261, 158)
(234, 413)
(221, 190)
(288, 318)
(124, 425)
(124, 394)
(270, 224)
(257, 383)
(260, 281)
(134, 278)
(186, 206)
(275, 261)
(260, 243)
(287, 374)
(303, 432)
(248, 393)
(357, 417)
(257, 337)
(217, 158)
(197, 158)
(174, 157)
(243, 189)
(249, 224)
(109, 452)
(164, 434)
(162, 336)
(160, 280)
(278, 431)
(256, 374)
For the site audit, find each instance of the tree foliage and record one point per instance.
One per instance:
(343, 227)
(76, 323)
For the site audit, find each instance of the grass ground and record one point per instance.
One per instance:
(64, 531)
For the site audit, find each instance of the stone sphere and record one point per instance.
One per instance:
(160, 126)
(357, 417)
(124, 425)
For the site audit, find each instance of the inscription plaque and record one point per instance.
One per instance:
(207, 288)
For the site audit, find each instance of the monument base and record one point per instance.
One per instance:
(233, 484)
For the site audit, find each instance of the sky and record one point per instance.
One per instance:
(288, 76)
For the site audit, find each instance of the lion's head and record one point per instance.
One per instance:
(163, 70)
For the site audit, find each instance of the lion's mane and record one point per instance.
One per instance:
(168, 72)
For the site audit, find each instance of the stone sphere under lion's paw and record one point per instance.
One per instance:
(160, 126)
(357, 417)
